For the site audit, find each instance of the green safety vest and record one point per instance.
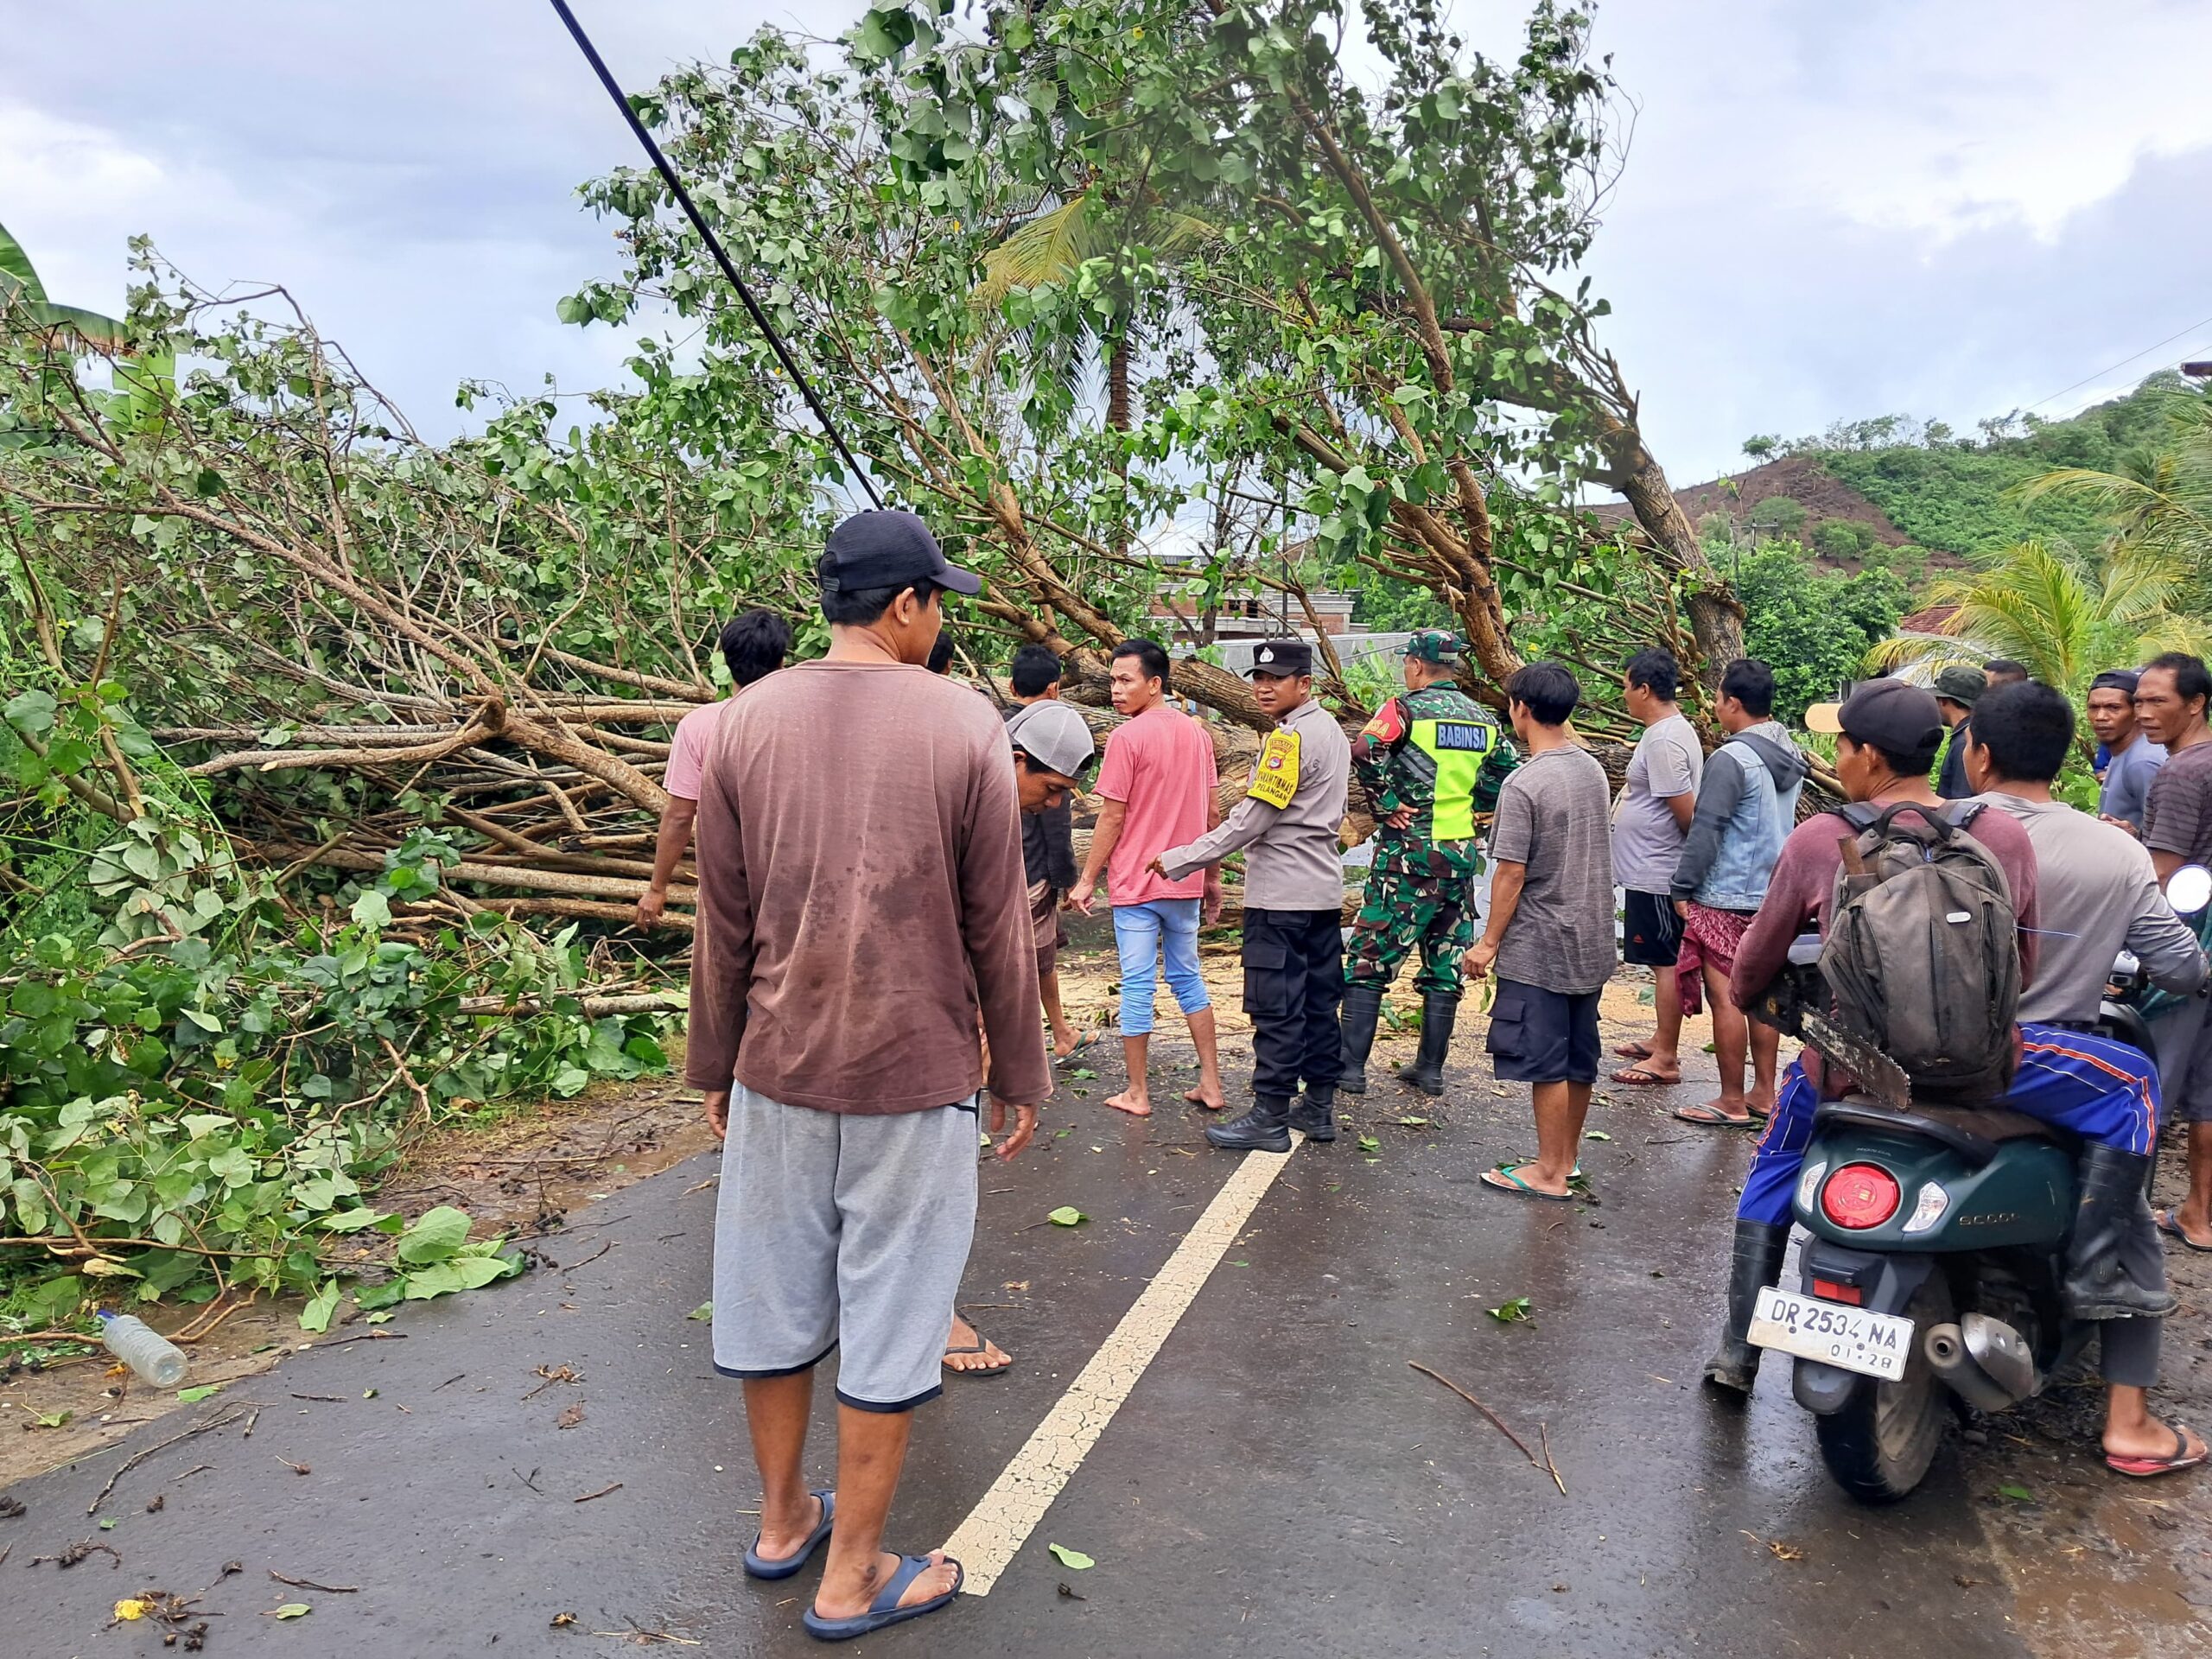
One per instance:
(1456, 748)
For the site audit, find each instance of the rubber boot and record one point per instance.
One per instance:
(1760, 1246)
(1265, 1128)
(1439, 1010)
(1363, 1008)
(1313, 1114)
(2098, 1285)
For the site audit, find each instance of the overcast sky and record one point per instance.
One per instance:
(1949, 208)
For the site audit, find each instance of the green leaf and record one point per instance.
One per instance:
(705, 1311)
(315, 1316)
(1596, 1134)
(30, 711)
(372, 909)
(1519, 1311)
(1368, 1143)
(193, 1397)
(350, 1221)
(1412, 1123)
(1066, 1216)
(293, 1610)
(2018, 1494)
(435, 1235)
(202, 1019)
(1074, 1557)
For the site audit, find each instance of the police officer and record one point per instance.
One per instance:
(1287, 825)
(1433, 760)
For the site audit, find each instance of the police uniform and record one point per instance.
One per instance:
(1287, 826)
(1439, 754)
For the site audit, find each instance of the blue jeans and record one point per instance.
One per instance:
(2101, 1090)
(1142, 934)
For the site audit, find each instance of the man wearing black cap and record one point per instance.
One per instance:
(2131, 760)
(1287, 824)
(1958, 688)
(1887, 733)
(857, 818)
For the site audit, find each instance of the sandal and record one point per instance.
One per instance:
(1506, 1178)
(1707, 1115)
(758, 1566)
(1636, 1078)
(2171, 1228)
(2146, 1468)
(1632, 1051)
(885, 1610)
(982, 1346)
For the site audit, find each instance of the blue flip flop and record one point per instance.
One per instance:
(758, 1566)
(885, 1610)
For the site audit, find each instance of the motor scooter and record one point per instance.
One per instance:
(1931, 1277)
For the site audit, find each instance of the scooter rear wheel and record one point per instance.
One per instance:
(1880, 1446)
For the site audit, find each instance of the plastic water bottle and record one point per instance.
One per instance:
(145, 1350)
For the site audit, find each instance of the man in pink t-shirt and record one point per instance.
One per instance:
(1157, 783)
(754, 645)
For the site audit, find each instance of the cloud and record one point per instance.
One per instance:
(1829, 210)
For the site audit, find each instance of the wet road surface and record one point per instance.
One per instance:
(1280, 1481)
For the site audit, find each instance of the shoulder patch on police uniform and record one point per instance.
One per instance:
(1274, 776)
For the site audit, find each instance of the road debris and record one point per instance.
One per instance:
(553, 1374)
(221, 1419)
(601, 1492)
(570, 1415)
(309, 1584)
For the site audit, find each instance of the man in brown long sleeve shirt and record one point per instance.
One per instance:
(861, 898)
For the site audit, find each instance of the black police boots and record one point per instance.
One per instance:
(1760, 1246)
(1313, 1114)
(1439, 1010)
(2099, 1283)
(1265, 1128)
(1363, 1008)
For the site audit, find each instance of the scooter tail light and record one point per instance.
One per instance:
(1928, 1209)
(1809, 1183)
(1860, 1196)
(1829, 1290)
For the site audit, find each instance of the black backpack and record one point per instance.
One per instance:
(1923, 947)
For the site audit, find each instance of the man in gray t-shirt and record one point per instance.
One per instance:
(1650, 821)
(1550, 930)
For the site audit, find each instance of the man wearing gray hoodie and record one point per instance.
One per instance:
(1746, 806)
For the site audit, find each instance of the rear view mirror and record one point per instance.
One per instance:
(2188, 889)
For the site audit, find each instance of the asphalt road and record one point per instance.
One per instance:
(1281, 1481)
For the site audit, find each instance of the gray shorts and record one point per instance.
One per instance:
(840, 1231)
(2183, 1041)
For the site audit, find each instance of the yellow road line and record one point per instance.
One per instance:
(994, 1531)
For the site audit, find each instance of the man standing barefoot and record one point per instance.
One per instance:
(1650, 821)
(847, 801)
(1156, 785)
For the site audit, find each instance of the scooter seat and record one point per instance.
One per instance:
(1974, 1133)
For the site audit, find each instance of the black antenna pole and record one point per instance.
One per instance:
(715, 247)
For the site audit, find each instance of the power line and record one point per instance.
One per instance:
(2100, 374)
(715, 247)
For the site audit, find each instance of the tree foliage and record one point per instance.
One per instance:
(1379, 337)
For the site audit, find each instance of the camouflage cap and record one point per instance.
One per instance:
(1439, 645)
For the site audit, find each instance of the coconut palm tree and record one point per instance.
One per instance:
(2067, 615)
(2160, 498)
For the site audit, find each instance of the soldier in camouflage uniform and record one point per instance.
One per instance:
(1434, 760)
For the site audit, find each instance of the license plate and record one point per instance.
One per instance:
(1851, 1339)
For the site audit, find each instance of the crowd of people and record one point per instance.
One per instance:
(850, 1088)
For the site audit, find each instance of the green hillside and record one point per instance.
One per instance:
(1949, 495)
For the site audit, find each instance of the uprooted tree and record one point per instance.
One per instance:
(333, 754)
